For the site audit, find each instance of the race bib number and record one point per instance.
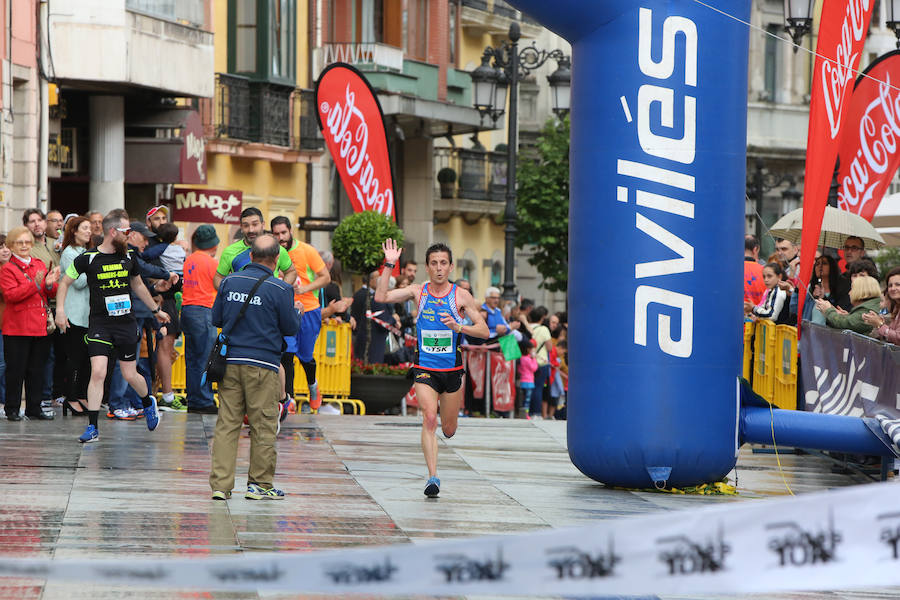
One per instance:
(118, 305)
(437, 342)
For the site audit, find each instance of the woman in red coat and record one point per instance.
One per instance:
(27, 285)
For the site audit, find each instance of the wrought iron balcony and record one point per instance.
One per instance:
(480, 175)
(307, 135)
(232, 109)
(261, 112)
(270, 113)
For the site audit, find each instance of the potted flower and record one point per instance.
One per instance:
(447, 178)
(381, 387)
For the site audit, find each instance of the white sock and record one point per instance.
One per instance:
(169, 397)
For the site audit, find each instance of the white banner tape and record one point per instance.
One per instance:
(834, 540)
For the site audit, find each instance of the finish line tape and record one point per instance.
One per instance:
(833, 540)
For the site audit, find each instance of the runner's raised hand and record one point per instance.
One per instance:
(391, 251)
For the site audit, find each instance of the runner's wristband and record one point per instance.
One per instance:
(155, 311)
(389, 265)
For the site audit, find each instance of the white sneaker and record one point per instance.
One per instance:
(329, 409)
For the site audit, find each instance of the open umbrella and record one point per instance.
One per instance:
(837, 226)
(887, 219)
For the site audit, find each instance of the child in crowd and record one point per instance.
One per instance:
(527, 367)
(774, 305)
(173, 256)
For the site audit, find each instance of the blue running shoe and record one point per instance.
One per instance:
(151, 413)
(255, 492)
(433, 487)
(90, 435)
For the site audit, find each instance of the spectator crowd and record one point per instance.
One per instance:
(843, 293)
(42, 367)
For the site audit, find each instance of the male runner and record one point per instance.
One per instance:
(312, 275)
(438, 371)
(112, 272)
(237, 256)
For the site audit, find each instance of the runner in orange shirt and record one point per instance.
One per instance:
(312, 275)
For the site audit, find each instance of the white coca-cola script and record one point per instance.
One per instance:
(876, 159)
(348, 128)
(836, 78)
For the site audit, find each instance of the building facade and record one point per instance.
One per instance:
(126, 71)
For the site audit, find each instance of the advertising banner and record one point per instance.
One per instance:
(849, 374)
(503, 382)
(352, 122)
(842, 32)
(207, 206)
(869, 153)
(476, 364)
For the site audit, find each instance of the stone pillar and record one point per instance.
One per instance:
(107, 131)
(417, 216)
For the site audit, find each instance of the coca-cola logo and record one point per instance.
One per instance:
(876, 154)
(349, 131)
(836, 77)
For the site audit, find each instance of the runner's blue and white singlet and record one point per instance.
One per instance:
(438, 344)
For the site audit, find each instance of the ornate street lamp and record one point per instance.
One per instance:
(510, 65)
(561, 86)
(484, 82)
(798, 16)
(893, 18)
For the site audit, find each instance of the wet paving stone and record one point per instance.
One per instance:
(350, 482)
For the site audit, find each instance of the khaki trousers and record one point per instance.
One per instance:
(253, 391)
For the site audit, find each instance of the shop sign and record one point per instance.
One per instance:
(207, 206)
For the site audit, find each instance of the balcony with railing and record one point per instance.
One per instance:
(494, 17)
(480, 185)
(185, 12)
(261, 112)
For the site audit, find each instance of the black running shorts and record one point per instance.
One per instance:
(117, 340)
(443, 382)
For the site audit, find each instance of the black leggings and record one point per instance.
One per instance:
(78, 363)
(287, 361)
(26, 358)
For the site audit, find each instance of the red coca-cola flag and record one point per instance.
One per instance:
(503, 382)
(476, 364)
(870, 144)
(352, 122)
(842, 31)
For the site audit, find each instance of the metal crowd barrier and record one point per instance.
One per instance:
(770, 361)
(332, 354)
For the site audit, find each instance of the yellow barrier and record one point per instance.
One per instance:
(785, 367)
(763, 360)
(748, 348)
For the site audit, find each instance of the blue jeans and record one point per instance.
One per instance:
(537, 394)
(199, 337)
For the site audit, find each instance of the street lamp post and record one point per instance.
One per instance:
(501, 69)
(759, 182)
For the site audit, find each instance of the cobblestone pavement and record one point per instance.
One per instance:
(350, 481)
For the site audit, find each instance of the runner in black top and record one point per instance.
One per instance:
(111, 272)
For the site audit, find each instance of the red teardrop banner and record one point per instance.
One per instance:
(842, 32)
(870, 143)
(352, 122)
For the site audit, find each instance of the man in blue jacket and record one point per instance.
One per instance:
(251, 385)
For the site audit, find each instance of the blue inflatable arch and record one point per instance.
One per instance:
(656, 232)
